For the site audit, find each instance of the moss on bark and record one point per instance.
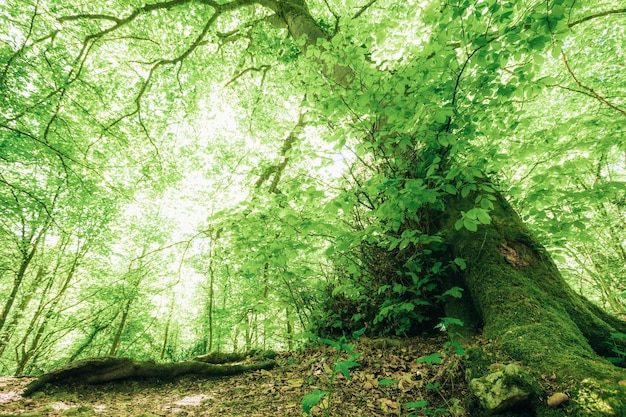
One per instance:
(532, 313)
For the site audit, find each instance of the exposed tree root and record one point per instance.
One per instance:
(107, 369)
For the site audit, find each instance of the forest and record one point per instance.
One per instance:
(181, 178)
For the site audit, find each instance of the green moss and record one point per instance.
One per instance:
(65, 397)
(81, 411)
(476, 362)
(532, 314)
(26, 414)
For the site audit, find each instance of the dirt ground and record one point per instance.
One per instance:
(388, 381)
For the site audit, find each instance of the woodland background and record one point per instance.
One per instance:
(176, 180)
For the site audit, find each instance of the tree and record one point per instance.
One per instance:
(427, 110)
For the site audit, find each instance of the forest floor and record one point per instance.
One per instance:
(388, 381)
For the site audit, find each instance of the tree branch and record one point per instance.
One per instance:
(363, 9)
(262, 68)
(277, 169)
(591, 91)
(91, 39)
(86, 16)
(148, 8)
(596, 15)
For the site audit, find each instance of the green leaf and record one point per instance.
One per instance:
(482, 216)
(449, 188)
(456, 292)
(311, 400)
(430, 359)
(359, 333)
(385, 382)
(345, 366)
(441, 117)
(416, 404)
(460, 262)
(331, 343)
(470, 224)
(399, 288)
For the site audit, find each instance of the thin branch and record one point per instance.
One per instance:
(330, 9)
(589, 89)
(24, 46)
(171, 61)
(596, 15)
(573, 90)
(335, 15)
(363, 9)
(86, 16)
(262, 68)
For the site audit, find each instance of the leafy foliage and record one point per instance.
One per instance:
(188, 176)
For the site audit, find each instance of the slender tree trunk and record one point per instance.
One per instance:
(235, 336)
(48, 308)
(19, 310)
(225, 292)
(166, 336)
(289, 329)
(96, 329)
(17, 283)
(210, 307)
(120, 328)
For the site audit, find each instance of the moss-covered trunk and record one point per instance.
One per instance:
(531, 312)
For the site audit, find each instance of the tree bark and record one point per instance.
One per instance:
(529, 310)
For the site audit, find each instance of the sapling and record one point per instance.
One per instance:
(311, 400)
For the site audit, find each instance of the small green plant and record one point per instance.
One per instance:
(430, 359)
(311, 400)
(421, 409)
(452, 347)
(618, 342)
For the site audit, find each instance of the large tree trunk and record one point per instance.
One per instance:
(531, 312)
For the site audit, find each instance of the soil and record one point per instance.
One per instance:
(388, 381)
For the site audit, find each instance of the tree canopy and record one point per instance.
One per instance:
(184, 176)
